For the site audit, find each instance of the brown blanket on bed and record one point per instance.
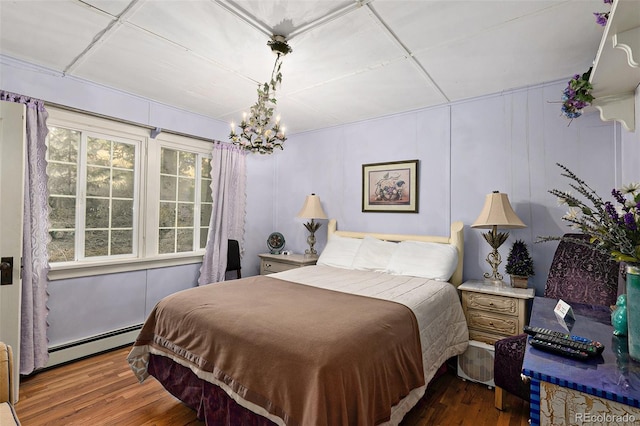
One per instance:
(307, 355)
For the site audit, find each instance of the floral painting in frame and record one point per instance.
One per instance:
(390, 187)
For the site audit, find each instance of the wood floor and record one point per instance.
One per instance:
(102, 390)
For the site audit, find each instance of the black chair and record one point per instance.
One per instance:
(578, 275)
(233, 257)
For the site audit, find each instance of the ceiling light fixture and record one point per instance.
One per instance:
(258, 133)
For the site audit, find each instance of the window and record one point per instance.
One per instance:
(92, 186)
(182, 173)
(119, 198)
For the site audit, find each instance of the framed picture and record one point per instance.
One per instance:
(390, 187)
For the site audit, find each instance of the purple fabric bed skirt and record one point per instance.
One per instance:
(211, 403)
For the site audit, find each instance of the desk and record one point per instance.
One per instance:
(602, 390)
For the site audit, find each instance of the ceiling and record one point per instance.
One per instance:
(351, 60)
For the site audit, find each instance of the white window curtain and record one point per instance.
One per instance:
(34, 352)
(228, 191)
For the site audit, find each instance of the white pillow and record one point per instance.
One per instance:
(423, 259)
(339, 252)
(373, 255)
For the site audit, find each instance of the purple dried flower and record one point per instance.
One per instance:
(601, 18)
(611, 211)
(630, 222)
(618, 196)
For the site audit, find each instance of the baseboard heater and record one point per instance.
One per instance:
(67, 352)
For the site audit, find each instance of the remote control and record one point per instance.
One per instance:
(588, 348)
(558, 349)
(532, 331)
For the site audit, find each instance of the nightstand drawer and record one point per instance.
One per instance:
(272, 263)
(270, 267)
(491, 303)
(499, 324)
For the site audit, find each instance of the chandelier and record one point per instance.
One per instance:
(258, 132)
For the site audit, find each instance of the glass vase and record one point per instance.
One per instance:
(633, 310)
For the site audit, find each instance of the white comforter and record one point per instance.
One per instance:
(436, 305)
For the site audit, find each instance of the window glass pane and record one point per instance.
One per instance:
(185, 215)
(62, 212)
(186, 189)
(206, 168)
(62, 178)
(62, 145)
(98, 181)
(204, 233)
(168, 186)
(122, 216)
(167, 215)
(123, 182)
(185, 239)
(121, 242)
(166, 241)
(187, 164)
(62, 246)
(124, 155)
(205, 214)
(97, 213)
(169, 162)
(96, 243)
(98, 152)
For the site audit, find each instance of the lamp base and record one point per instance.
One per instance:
(495, 240)
(496, 282)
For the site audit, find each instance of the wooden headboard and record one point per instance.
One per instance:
(455, 238)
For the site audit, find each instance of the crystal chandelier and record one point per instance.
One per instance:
(257, 132)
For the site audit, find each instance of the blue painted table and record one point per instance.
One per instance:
(602, 390)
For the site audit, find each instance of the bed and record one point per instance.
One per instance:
(352, 340)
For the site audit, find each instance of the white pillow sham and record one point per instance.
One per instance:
(339, 252)
(423, 259)
(373, 255)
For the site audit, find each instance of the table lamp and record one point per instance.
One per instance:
(496, 213)
(312, 210)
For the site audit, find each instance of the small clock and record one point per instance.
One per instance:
(275, 242)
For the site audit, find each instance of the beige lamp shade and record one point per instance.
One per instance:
(312, 209)
(497, 211)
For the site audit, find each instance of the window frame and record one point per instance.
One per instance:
(147, 189)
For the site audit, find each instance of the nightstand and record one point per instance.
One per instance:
(492, 312)
(271, 263)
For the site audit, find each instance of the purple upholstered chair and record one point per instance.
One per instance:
(578, 274)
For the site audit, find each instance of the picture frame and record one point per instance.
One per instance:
(390, 187)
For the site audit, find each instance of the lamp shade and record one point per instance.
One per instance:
(497, 211)
(312, 209)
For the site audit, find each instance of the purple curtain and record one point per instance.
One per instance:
(228, 190)
(33, 334)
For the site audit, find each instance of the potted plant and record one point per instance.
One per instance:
(519, 265)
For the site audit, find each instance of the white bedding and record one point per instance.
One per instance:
(436, 305)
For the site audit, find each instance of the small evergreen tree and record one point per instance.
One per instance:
(519, 261)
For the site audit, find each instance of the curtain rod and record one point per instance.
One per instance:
(152, 129)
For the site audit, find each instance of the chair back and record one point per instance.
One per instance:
(581, 274)
(233, 257)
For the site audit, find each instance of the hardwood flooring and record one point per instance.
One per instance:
(102, 390)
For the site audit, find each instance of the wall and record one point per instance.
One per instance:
(508, 142)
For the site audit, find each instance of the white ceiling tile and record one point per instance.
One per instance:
(519, 53)
(153, 68)
(48, 33)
